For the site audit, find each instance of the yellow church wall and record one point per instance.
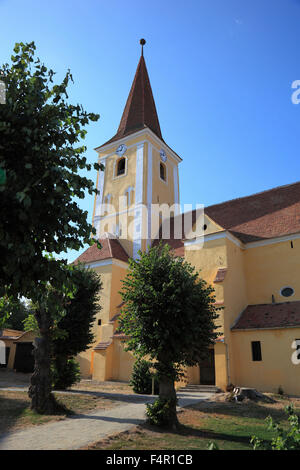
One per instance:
(269, 268)
(84, 360)
(235, 297)
(122, 363)
(118, 275)
(101, 333)
(221, 374)
(99, 366)
(117, 185)
(207, 260)
(162, 192)
(276, 368)
(105, 273)
(192, 377)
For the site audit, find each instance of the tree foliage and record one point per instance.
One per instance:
(284, 439)
(76, 326)
(13, 312)
(40, 157)
(141, 378)
(169, 315)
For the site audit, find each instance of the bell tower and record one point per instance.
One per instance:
(141, 170)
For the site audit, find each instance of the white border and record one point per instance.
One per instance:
(286, 287)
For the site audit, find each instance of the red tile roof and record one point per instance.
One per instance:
(115, 317)
(140, 110)
(269, 214)
(220, 276)
(111, 248)
(264, 215)
(283, 315)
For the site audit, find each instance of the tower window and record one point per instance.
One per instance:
(121, 165)
(162, 171)
(256, 351)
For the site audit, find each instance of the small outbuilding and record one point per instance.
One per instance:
(18, 350)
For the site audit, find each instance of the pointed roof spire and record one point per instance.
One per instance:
(140, 110)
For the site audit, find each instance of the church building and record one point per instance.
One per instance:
(249, 251)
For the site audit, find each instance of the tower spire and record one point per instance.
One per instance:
(140, 110)
(142, 43)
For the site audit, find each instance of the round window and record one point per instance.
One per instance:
(287, 291)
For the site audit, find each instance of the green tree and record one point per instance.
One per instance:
(48, 311)
(169, 317)
(14, 312)
(76, 325)
(40, 157)
(284, 438)
(64, 320)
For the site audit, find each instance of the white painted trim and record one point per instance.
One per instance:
(284, 296)
(149, 191)
(175, 183)
(139, 175)
(271, 241)
(236, 330)
(139, 189)
(107, 262)
(99, 197)
(213, 236)
(114, 214)
(229, 236)
(159, 143)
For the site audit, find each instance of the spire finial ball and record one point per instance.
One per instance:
(142, 42)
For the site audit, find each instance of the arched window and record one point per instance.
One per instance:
(121, 165)
(162, 171)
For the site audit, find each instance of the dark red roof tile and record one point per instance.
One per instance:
(140, 110)
(111, 248)
(282, 315)
(270, 214)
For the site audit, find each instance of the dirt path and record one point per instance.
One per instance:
(84, 429)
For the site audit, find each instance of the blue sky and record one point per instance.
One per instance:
(221, 74)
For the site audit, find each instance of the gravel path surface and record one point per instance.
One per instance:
(81, 430)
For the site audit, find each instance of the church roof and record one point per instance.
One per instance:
(269, 214)
(140, 110)
(111, 248)
(279, 315)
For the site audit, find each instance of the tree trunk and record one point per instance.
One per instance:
(167, 392)
(42, 399)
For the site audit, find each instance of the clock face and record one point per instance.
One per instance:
(163, 155)
(121, 149)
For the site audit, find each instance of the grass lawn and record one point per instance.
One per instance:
(229, 425)
(15, 412)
